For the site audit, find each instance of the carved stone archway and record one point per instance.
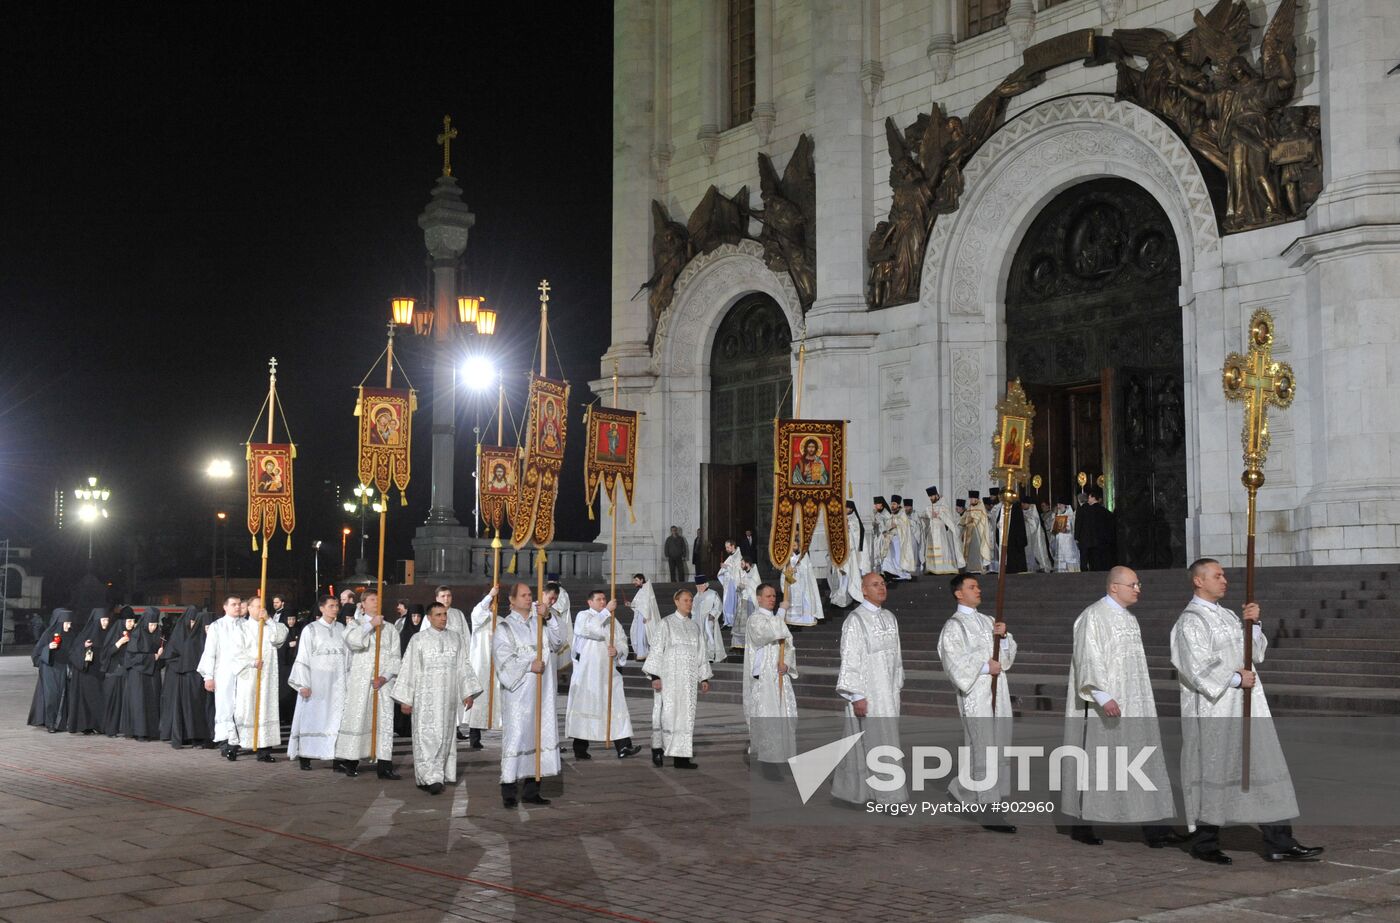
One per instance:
(709, 286)
(1036, 155)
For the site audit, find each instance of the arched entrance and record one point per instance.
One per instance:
(1094, 331)
(750, 375)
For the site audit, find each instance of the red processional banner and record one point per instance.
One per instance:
(386, 435)
(809, 476)
(546, 429)
(497, 472)
(610, 455)
(270, 489)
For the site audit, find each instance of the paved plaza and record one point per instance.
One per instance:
(119, 830)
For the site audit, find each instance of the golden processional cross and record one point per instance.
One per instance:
(1258, 380)
(445, 141)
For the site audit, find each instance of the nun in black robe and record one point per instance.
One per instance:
(113, 663)
(184, 715)
(408, 626)
(50, 656)
(286, 656)
(86, 707)
(142, 705)
(1016, 540)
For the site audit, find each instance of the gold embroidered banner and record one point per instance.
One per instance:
(498, 475)
(386, 435)
(611, 454)
(533, 519)
(270, 489)
(809, 475)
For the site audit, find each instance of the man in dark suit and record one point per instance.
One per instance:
(1096, 533)
(697, 553)
(748, 547)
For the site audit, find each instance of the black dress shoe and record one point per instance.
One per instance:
(478, 745)
(266, 758)
(460, 735)
(337, 765)
(683, 762)
(208, 745)
(435, 788)
(657, 756)
(1171, 839)
(304, 763)
(1088, 840)
(231, 754)
(351, 771)
(1295, 853)
(535, 799)
(582, 755)
(509, 802)
(389, 774)
(624, 752)
(1003, 828)
(1215, 856)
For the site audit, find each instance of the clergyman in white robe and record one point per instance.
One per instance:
(1063, 546)
(435, 681)
(517, 652)
(318, 675)
(942, 547)
(485, 713)
(965, 650)
(1037, 550)
(645, 613)
(747, 584)
(1109, 704)
(594, 674)
(1208, 653)
(870, 679)
(845, 580)
(257, 712)
(367, 722)
(804, 597)
(708, 613)
(882, 556)
(770, 705)
(976, 536)
(729, 581)
(681, 672)
(220, 668)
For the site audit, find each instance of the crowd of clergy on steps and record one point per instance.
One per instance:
(349, 679)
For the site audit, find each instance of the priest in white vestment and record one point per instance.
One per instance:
(1208, 653)
(965, 650)
(1063, 546)
(680, 668)
(318, 675)
(1037, 549)
(770, 666)
(996, 512)
(729, 581)
(747, 585)
(485, 713)
(870, 679)
(367, 722)
(1109, 705)
(599, 652)
(845, 580)
(708, 612)
(902, 549)
(882, 557)
(645, 614)
(256, 713)
(220, 667)
(804, 597)
(556, 598)
(435, 683)
(976, 536)
(529, 681)
(918, 529)
(942, 547)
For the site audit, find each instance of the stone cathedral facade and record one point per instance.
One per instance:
(937, 195)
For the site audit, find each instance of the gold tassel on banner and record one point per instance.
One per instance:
(255, 543)
(289, 541)
(403, 501)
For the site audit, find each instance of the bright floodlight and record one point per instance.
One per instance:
(219, 469)
(87, 513)
(478, 373)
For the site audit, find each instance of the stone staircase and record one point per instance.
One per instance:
(1334, 640)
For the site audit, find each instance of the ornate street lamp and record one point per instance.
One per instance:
(364, 502)
(94, 507)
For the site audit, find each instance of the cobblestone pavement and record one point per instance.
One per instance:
(92, 828)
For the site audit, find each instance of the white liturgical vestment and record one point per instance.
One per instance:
(479, 653)
(586, 712)
(321, 665)
(220, 663)
(678, 659)
(435, 677)
(368, 714)
(516, 648)
(965, 647)
(261, 709)
(770, 707)
(872, 669)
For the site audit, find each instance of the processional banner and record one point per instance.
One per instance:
(498, 474)
(611, 454)
(386, 434)
(809, 476)
(546, 429)
(270, 489)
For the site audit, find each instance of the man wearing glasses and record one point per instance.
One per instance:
(1109, 706)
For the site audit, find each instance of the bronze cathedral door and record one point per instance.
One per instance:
(1095, 332)
(750, 377)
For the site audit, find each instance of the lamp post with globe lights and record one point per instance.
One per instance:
(478, 374)
(92, 508)
(219, 472)
(364, 502)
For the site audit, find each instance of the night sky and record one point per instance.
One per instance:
(191, 190)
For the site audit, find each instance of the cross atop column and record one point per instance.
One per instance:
(544, 291)
(444, 140)
(1258, 380)
(272, 367)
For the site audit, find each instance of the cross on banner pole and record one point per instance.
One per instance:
(496, 562)
(612, 584)
(540, 554)
(379, 585)
(1257, 380)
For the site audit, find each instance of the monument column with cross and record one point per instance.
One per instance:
(440, 546)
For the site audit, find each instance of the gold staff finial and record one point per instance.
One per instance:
(445, 141)
(272, 368)
(544, 291)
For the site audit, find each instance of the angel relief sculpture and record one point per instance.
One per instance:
(789, 218)
(1232, 113)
